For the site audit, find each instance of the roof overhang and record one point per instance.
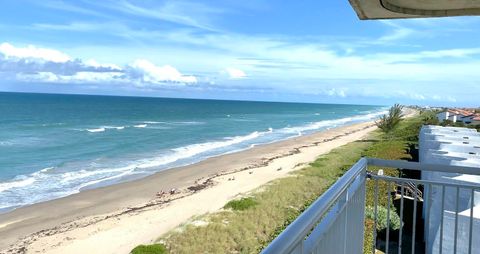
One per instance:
(392, 9)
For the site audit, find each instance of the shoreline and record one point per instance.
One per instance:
(72, 224)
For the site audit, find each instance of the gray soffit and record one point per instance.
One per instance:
(394, 9)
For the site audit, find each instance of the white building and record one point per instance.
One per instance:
(459, 147)
(447, 115)
(459, 115)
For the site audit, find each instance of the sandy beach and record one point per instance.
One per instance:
(115, 219)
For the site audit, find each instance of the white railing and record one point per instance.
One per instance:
(334, 223)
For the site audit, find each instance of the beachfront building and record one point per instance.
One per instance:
(459, 115)
(447, 195)
(450, 146)
(446, 115)
(472, 119)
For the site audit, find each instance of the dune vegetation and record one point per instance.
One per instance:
(247, 225)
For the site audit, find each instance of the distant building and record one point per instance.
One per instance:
(459, 115)
(447, 115)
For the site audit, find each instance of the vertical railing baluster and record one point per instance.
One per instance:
(472, 205)
(388, 219)
(345, 227)
(375, 218)
(414, 220)
(426, 206)
(402, 189)
(441, 219)
(455, 233)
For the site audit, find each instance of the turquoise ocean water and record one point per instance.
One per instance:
(56, 145)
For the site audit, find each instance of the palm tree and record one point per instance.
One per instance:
(389, 121)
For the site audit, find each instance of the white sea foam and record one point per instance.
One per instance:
(140, 126)
(91, 177)
(189, 151)
(195, 149)
(5, 143)
(186, 123)
(82, 174)
(93, 182)
(114, 127)
(96, 130)
(22, 141)
(152, 122)
(244, 120)
(331, 123)
(16, 184)
(105, 128)
(45, 170)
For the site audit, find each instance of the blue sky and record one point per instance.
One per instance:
(312, 51)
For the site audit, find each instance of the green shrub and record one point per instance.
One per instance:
(446, 123)
(241, 204)
(429, 117)
(459, 124)
(150, 249)
(382, 217)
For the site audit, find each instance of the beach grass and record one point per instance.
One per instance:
(241, 204)
(249, 224)
(150, 249)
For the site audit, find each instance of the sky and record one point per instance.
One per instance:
(269, 50)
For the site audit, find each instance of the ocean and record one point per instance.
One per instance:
(54, 145)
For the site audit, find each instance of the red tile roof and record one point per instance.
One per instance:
(461, 112)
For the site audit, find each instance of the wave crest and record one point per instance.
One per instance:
(96, 130)
(17, 184)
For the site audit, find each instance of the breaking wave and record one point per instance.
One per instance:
(51, 183)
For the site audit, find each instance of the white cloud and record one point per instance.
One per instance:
(31, 52)
(79, 77)
(304, 66)
(336, 92)
(399, 32)
(93, 77)
(444, 98)
(39, 76)
(48, 65)
(32, 59)
(95, 64)
(234, 73)
(151, 73)
(187, 13)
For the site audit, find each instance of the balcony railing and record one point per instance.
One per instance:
(441, 219)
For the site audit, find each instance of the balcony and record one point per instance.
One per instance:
(435, 216)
